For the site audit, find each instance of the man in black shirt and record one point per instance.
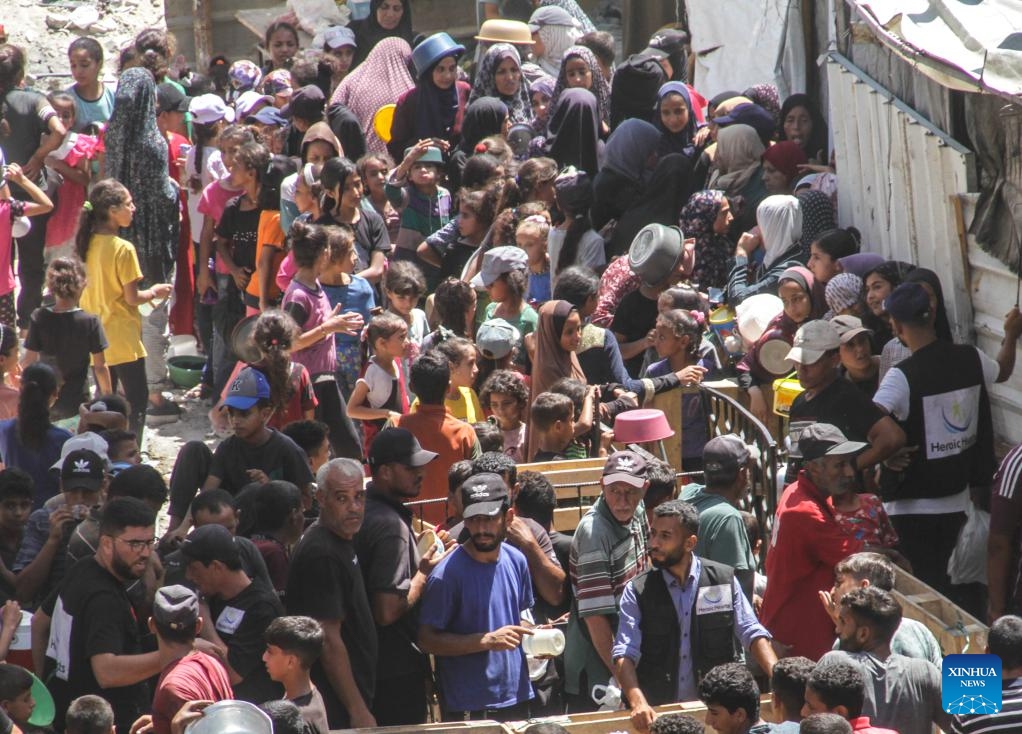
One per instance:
(238, 609)
(325, 583)
(395, 574)
(94, 642)
(828, 399)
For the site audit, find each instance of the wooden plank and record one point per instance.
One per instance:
(670, 402)
(956, 630)
(566, 519)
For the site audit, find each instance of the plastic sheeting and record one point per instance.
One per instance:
(963, 44)
(739, 43)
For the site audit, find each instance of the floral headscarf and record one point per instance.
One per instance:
(714, 252)
(519, 106)
(136, 155)
(600, 89)
(767, 97)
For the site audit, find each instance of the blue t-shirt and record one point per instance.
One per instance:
(88, 111)
(539, 289)
(36, 463)
(464, 596)
(356, 296)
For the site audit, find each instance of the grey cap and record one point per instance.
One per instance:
(824, 439)
(176, 607)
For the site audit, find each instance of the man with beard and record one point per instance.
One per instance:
(325, 584)
(395, 574)
(808, 541)
(94, 642)
(680, 619)
(471, 613)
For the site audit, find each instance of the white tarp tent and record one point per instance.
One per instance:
(739, 43)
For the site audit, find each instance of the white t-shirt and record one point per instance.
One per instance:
(213, 169)
(893, 395)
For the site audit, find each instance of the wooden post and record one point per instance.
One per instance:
(202, 11)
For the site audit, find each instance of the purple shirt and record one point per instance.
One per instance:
(310, 308)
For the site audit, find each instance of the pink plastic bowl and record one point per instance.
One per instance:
(640, 426)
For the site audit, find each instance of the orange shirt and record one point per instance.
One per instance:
(269, 234)
(454, 440)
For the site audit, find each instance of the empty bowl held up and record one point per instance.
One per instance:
(641, 426)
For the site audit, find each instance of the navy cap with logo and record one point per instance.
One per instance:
(625, 466)
(398, 446)
(483, 494)
(82, 469)
(908, 302)
(248, 388)
(824, 439)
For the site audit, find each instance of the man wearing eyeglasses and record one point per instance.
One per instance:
(94, 639)
(607, 551)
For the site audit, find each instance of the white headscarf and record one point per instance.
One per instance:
(556, 40)
(780, 222)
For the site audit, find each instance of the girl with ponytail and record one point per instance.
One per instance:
(342, 204)
(112, 291)
(30, 442)
(573, 241)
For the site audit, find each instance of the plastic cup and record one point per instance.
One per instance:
(544, 643)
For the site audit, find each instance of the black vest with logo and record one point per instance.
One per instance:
(712, 635)
(949, 420)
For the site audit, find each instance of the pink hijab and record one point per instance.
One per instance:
(377, 81)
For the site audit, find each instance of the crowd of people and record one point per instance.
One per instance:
(409, 272)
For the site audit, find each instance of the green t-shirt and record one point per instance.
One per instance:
(722, 536)
(526, 322)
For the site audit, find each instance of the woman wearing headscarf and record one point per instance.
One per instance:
(573, 136)
(629, 160)
(767, 97)
(780, 228)
(707, 217)
(738, 173)
(380, 80)
(676, 120)
(802, 123)
(436, 106)
(817, 217)
(500, 76)
(780, 166)
(666, 193)
(573, 9)
(137, 156)
(554, 31)
(484, 117)
(386, 19)
(581, 70)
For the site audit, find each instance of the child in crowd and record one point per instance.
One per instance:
(72, 161)
(532, 236)
(94, 101)
(454, 311)
(414, 189)
(12, 210)
(373, 168)
(8, 363)
(540, 95)
(551, 419)
(112, 291)
(65, 337)
(864, 517)
(403, 285)
(312, 437)
(379, 395)
(307, 303)
(489, 437)
(89, 715)
(461, 399)
(122, 450)
(459, 472)
(476, 210)
(499, 346)
(261, 292)
(293, 644)
(15, 507)
(503, 276)
(507, 398)
(354, 293)
(585, 414)
(16, 696)
(204, 163)
(573, 241)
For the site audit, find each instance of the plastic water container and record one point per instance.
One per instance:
(182, 345)
(21, 646)
(359, 9)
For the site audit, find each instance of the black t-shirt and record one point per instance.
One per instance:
(21, 110)
(241, 622)
(92, 615)
(841, 404)
(279, 458)
(325, 583)
(66, 340)
(389, 558)
(370, 234)
(241, 229)
(175, 566)
(313, 712)
(455, 258)
(634, 318)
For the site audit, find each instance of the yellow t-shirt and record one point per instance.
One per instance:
(465, 407)
(111, 264)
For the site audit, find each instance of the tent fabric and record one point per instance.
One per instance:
(963, 44)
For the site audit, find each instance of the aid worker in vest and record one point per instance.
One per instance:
(680, 619)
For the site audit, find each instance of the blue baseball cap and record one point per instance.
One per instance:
(248, 388)
(268, 115)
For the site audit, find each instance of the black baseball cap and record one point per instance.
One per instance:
(171, 99)
(483, 494)
(306, 103)
(724, 455)
(211, 543)
(82, 469)
(824, 439)
(398, 446)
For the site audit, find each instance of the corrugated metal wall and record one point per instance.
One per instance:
(911, 191)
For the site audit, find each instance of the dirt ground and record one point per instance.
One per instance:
(162, 443)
